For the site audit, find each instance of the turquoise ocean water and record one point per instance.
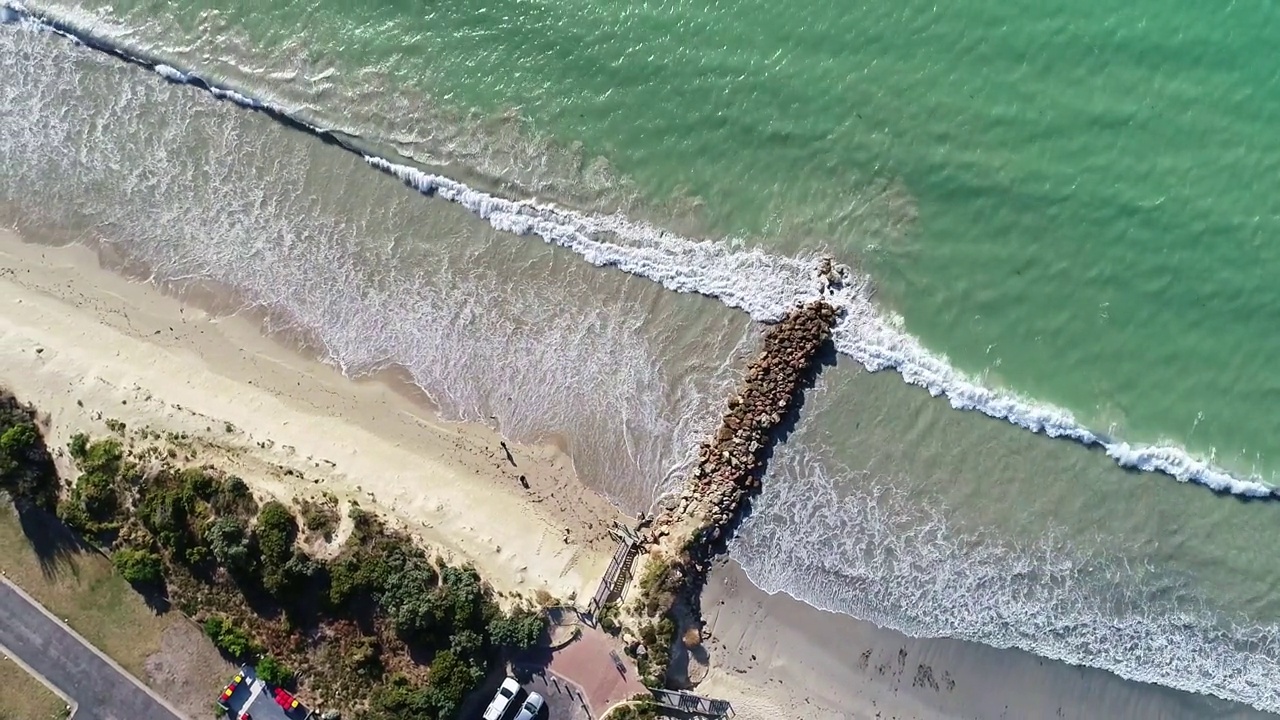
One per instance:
(1069, 198)
(1057, 214)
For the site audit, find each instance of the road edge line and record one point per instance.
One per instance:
(92, 648)
(12, 656)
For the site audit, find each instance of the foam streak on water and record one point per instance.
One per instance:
(866, 546)
(760, 284)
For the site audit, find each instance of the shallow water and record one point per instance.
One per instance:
(518, 335)
(1070, 198)
(1022, 540)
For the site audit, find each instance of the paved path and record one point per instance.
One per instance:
(586, 661)
(59, 657)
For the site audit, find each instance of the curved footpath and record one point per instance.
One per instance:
(98, 687)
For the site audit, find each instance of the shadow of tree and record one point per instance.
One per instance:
(56, 546)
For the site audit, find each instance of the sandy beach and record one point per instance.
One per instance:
(87, 345)
(777, 657)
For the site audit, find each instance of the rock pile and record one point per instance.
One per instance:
(730, 462)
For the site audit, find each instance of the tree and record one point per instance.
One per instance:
(449, 680)
(228, 540)
(466, 644)
(26, 468)
(275, 534)
(138, 567)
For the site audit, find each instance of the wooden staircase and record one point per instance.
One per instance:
(619, 572)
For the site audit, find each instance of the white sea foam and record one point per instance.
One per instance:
(370, 279)
(765, 286)
(851, 542)
(207, 210)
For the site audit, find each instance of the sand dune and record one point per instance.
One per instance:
(86, 345)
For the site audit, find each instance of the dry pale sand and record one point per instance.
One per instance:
(775, 657)
(85, 345)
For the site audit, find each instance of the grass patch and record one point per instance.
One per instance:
(80, 586)
(25, 698)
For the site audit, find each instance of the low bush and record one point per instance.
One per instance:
(643, 708)
(320, 517)
(230, 639)
(138, 567)
(273, 672)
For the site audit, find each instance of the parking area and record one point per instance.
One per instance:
(562, 700)
(247, 697)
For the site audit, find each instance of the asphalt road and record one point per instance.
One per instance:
(101, 689)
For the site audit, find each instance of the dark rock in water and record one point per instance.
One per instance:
(731, 462)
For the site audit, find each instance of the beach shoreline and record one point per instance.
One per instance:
(85, 344)
(775, 656)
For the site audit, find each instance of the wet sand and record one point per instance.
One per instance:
(776, 657)
(86, 345)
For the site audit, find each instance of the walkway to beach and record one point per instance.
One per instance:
(587, 662)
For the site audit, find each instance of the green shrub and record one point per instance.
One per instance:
(166, 512)
(449, 680)
(273, 672)
(78, 447)
(197, 483)
(138, 567)
(229, 639)
(96, 494)
(520, 630)
(228, 540)
(101, 457)
(400, 699)
(364, 657)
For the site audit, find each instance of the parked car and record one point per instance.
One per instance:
(502, 699)
(532, 705)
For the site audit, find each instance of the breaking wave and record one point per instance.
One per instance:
(761, 284)
(851, 542)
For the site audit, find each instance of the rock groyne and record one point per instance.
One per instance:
(691, 529)
(731, 461)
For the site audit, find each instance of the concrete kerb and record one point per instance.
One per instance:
(610, 710)
(80, 639)
(71, 704)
